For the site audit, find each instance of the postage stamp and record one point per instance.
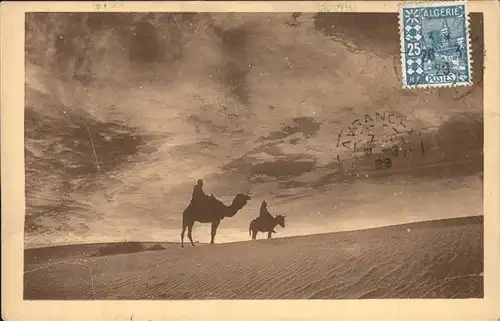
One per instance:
(435, 42)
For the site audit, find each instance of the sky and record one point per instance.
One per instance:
(124, 112)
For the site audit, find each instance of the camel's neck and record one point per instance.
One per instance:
(231, 210)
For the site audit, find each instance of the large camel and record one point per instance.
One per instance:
(213, 211)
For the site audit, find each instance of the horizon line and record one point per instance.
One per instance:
(285, 237)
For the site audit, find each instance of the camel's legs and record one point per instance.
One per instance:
(184, 225)
(269, 234)
(215, 225)
(190, 231)
(254, 234)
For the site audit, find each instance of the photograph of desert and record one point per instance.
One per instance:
(217, 156)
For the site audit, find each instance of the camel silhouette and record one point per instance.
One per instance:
(265, 225)
(211, 211)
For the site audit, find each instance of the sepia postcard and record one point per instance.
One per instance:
(250, 160)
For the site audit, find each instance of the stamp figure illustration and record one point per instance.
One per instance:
(435, 45)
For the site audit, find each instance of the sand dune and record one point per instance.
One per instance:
(434, 259)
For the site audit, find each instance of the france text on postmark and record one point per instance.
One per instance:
(435, 42)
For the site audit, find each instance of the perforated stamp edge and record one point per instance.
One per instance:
(419, 4)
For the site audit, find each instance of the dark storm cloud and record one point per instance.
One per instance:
(142, 38)
(364, 30)
(454, 150)
(236, 65)
(71, 145)
(76, 145)
(379, 32)
(282, 168)
(308, 126)
(144, 43)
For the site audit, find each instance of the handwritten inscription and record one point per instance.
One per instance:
(106, 5)
(339, 7)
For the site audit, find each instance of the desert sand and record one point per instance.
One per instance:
(432, 259)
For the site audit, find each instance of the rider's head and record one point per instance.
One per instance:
(200, 182)
(264, 204)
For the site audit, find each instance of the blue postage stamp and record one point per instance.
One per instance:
(435, 49)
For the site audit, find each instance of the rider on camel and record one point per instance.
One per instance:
(199, 197)
(198, 193)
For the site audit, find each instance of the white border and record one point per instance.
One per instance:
(12, 127)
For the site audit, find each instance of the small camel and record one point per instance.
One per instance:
(261, 225)
(213, 211)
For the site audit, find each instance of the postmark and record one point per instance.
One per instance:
(373, 133)
(435, 44)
